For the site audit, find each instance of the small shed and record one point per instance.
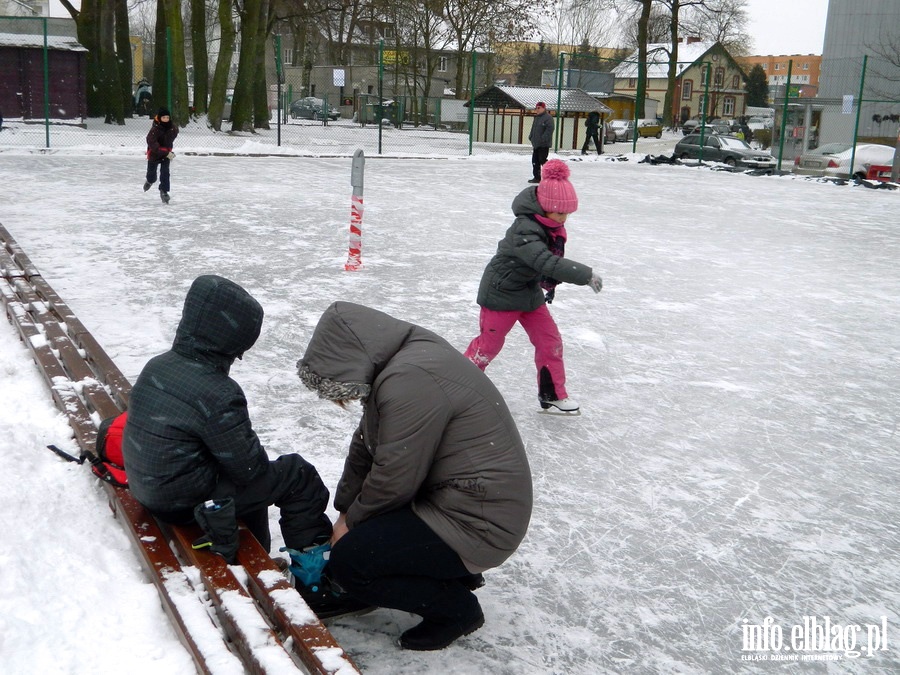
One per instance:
(22, 77)
(505, 114)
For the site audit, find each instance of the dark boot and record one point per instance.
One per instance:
(431, 635)
(218, 520)
(325, 600)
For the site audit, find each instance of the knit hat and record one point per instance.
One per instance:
(555, 193)
(540, 104)
(163, 112)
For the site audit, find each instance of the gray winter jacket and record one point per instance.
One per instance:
(435, 433)
(541, 134)
(187, 420)
(511, 280)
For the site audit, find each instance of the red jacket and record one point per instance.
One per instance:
(160, 139)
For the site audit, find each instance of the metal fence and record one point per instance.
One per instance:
(858, 101)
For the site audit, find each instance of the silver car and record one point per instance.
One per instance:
(833, 160)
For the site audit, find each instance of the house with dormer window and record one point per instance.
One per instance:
(697, 60)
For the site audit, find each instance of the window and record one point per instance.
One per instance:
(720, 78)
(703, 75)
(777, 66)
(288, 58)
(632, 83)
(442, 64)
(765, 66)
(728, 106)
(805, 66)
(687, 89)
(736, 82)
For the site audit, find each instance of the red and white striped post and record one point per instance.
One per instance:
(356, 211)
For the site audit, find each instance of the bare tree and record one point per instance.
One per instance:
(722, 21)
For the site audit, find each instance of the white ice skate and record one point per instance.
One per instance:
(565, 406)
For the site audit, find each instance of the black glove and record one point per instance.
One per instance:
(549, 295)
(218, 519)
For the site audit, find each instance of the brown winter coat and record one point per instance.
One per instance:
(435, 434)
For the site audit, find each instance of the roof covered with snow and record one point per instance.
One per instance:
(60, 42)
(571, 100)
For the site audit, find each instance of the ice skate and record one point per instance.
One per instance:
(164, 196)
(147, 185)
(565, 406)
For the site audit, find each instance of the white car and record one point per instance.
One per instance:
(758, 123)
(833, 160)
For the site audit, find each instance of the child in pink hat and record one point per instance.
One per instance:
(521, 279)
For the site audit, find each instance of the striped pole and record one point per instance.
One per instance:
(356, 211)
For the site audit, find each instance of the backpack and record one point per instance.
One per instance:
(109, 464)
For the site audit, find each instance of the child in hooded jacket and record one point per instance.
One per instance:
(160, 140)
(521, 279)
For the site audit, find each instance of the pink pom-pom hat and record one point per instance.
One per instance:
(555, 193)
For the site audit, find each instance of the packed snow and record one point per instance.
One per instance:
(736, 459)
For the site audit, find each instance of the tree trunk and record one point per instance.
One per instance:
(160, 58)
(124, 56)
(242, 102)
(110, 93)
(87, 24)
(668, 106)
(200, 56)
(223, 66)
(179, 105)
(261, 113)
(640, 94)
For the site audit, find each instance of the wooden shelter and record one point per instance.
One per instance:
(505, 114)
(22, 77)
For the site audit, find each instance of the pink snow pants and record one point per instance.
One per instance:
(544, 335)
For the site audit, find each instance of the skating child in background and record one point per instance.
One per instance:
(529, 262)
(160, 140)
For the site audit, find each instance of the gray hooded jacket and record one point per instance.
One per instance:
(435, 433)
(187, 420)
(512, 279)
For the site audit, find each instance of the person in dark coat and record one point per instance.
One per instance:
(541, 137)
(160, 140)
(521, 279)
(189, 439)
(592, 125)
(436, 486)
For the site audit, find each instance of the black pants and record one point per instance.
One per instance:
(163, 165)
(538, 159)
(591, 134)
(395, 560)
(293, 485)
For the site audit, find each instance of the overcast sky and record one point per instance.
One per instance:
(777, 26)
(787, 26)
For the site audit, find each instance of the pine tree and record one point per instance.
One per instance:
(757, 87)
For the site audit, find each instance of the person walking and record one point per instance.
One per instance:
(436, 486)
(160, 140)
(541, 137)
(521, 279)
(592, 125)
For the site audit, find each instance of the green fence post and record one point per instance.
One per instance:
(705, 107)
(784, 112)
(559, 77)
(472, 99)
(46, 87)
(380, 89)
(279, 75)
(862, 84)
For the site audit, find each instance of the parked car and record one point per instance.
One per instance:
(609, 136)
(622, 129)
(757, 123)
(312, 108)
(833, 159)
(649, 127)
(727, 149)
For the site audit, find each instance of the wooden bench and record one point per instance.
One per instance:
(266, 626)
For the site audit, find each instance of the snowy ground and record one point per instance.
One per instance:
(739, 376)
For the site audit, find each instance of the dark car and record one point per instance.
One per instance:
(726, 149)
(312, 108)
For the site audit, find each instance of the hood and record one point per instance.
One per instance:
(220, 321)
(350, 346)
(526, 203)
